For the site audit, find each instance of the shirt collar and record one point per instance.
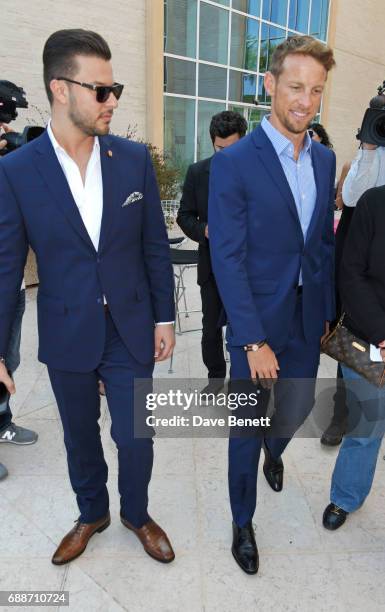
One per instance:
(57, 147)
(279, 141)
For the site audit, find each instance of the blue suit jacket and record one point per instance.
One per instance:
(257, 247)
(132, 266)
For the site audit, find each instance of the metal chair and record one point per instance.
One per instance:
(182, 260)
(177, 242)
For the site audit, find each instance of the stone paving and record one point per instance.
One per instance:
(302, 566)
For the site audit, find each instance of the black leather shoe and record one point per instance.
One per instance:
(333, 435)
(334, 517)
(244, 548)
(273, 470)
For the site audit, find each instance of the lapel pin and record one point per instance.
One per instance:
(109, 153)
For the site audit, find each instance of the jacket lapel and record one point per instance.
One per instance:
(54, 177)
(270, 160)
(108, 162)
(317, 168)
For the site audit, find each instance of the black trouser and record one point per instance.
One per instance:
(212, 342)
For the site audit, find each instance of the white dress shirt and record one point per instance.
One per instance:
(366, 171)
(88, 196)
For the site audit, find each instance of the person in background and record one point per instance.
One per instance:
(318, 133)
(226, 128)
(362, 286)
(334, 432)
(367, 170)
(10, 433)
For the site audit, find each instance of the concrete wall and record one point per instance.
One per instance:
(356, 34)
(26, 24)
(154, 70)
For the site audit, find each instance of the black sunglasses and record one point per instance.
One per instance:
(102, 91)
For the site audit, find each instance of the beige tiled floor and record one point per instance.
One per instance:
(302, 567)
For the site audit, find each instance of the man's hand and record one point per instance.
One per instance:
(327, 331)
(263, 364)
(207, 231)
(164, 341)
(6, 129)
(382, 347)
(6, 379)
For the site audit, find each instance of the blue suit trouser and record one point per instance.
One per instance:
(78, 401)
(293, 401)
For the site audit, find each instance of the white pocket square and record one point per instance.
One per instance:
(133, 197)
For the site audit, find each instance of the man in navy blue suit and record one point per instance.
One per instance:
(88, 205)
(271, 245)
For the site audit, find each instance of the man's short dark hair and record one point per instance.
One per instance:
(61, 49)
(226, 124)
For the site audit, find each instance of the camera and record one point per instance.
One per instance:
(11, 98)
(373, 125)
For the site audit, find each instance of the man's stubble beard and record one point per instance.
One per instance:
(291, 128)
(82, 123)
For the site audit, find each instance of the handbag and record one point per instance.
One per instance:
(342, 345)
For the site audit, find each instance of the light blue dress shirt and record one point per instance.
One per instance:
(299, 174)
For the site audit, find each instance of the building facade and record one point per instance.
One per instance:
(183, 60)
(215, 56)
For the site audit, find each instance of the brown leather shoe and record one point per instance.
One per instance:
(155, 541)
(76, 540)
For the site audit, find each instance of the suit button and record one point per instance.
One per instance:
(99, 300)
(98, 260)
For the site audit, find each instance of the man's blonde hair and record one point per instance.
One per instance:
(301, 45)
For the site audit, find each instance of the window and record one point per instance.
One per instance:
(263, 96)
(275, 11)
(179, 131)
(206, 110)
(255, 116)
(319, 18)
(213, 34)
(179, 76)
(222, 65)
(212, 82)
(271, 37)
(252, 7)
(242, 87)
(180, 22)
(244, 42)
(299, 15)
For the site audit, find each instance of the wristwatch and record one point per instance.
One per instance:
(254, 347)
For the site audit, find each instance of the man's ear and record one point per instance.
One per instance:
(270, 83)
(59, 91)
